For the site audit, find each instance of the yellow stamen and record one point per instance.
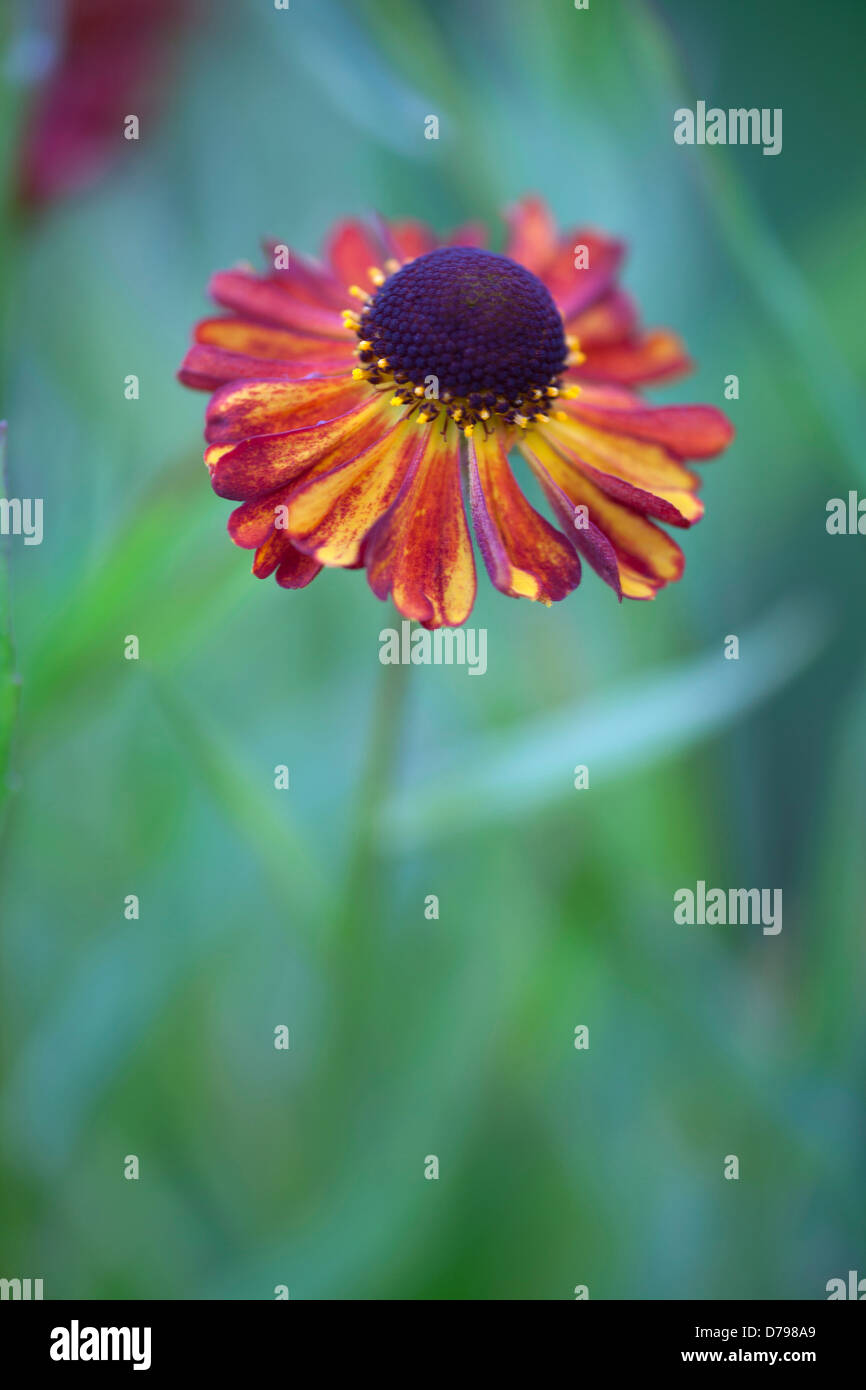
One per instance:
(357, 293)
(392, 265)
(383, 364)
(376, 275)
(571, 393)
(521, 420)
(365, 345)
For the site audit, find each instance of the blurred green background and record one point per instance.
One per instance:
(454, 1037)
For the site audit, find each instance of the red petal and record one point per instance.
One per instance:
(575, 290)
(657, 354)
(267, 301)
(352, 250)
(532, 237)
(204, 368)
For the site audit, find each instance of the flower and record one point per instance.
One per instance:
(108, 62)
(341, 430)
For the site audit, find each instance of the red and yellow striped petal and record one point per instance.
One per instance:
(640, 474)
(267, 461)
(332, 510)
(642, 549)
(420, 551)
(525, 556)
(245, 408)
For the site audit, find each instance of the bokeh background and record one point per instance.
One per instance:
(454, 1037)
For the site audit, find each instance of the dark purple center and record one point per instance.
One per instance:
(478, 322)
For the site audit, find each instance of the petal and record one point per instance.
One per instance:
(352, 250)
(469, 234)
(576, 287)
(642, 548)
(331, 512)
(532, 238)
(268, 301)
(657, 354)
(251, 524)
(407, 239)
(306, 279)
(204, 367)
(525, 556)
(609, 321)
(244, 408)
(588, 538)
(420, 551)
(642, 475)
(268, 461)
(689, 431)
(294, 569)
(258, 340)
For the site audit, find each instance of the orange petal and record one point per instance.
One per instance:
(267, 301)
(657, 354)
(532, 238)
(420, 551)
(268, 461)
(525, 556)
(331, 512)
(244, 408)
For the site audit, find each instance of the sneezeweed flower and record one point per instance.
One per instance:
(107, 61)
(341, 429)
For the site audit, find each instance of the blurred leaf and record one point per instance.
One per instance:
(505, 775)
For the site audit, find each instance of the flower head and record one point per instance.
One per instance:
(346, 394)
